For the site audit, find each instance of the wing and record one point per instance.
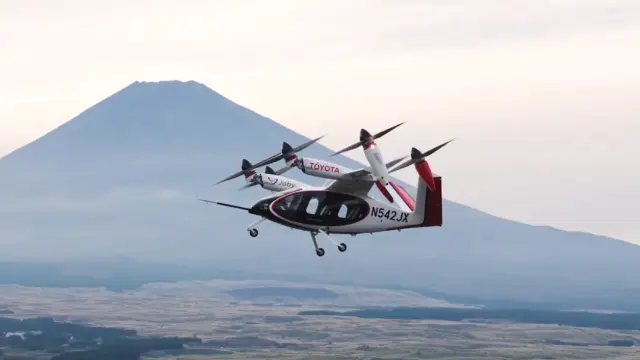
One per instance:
(358, 181)
(352, 186)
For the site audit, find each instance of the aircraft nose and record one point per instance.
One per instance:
(261, 207)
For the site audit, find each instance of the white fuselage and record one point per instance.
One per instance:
(314, 208)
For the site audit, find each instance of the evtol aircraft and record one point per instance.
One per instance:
(343, 204)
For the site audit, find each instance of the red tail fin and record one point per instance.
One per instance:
(433, 205)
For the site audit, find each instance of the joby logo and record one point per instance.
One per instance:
(287, 184)
(323, 167)
(279, 182)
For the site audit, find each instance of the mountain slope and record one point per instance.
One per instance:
(122, 177)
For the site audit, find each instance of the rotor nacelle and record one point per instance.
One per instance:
(288, 153)
(423, 169)
(322, 168)
(277, 183)
(268, 180)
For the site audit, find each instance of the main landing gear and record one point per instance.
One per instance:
(253, 232)
(342, 247)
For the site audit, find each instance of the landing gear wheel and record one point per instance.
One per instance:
(253, 232)
(342, 247)
(320, 251)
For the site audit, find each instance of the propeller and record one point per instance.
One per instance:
(418, 158)
(287, 150)
(247, 168)
(272, 159)
(366, 139)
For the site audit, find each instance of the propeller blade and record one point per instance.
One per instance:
(436, 148)
(348, 148)
(385, 132)
(307, 144)
(402, 166)
(281, 155)
(248, 186)
(235, 175)
(365, 137)
(284, 169)
(390, 164)
(268, 161)
(419, 156)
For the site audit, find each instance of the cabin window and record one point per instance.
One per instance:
(312, 207)
(342, 213)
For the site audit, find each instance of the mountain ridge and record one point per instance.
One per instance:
(205, 88)
(130, 188)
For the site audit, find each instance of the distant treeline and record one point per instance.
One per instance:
(618, 321)
(126, 349)
(77, 341)
(122, 275)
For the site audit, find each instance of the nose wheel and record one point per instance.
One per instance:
(253, 232)
(342, 247)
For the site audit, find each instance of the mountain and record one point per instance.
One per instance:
(122, 179)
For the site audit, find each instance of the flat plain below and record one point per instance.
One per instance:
(259, 320)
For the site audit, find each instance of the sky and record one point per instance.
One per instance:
(541, 96)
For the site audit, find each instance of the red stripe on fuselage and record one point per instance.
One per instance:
(404, 195)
